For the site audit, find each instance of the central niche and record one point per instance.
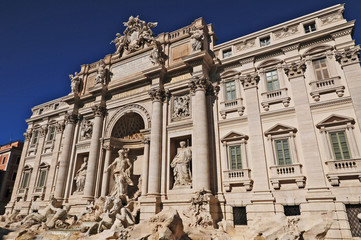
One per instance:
(128, 127)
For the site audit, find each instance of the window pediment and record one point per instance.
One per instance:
(317, 49)
(269, 62)
(335, 120)
(233, 136)
(280, 129)
(229, 74)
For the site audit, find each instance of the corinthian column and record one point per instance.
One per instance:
(200, 88)
(155, 159)
(145, 167)
(350, 62)
(89, 187)
(70, 121)
(105, 181)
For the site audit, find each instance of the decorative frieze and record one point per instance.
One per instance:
(286, 31)
(348, 56)
(245, 44)
(333, 17)
(98, 110)
(200, 83)
(249, 80)
(294, 70)
(342, 33)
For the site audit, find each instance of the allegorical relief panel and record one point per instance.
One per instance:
(181, 107)
(122, 70)
(86, 129)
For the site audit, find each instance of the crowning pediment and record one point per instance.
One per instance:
(280, 129)
(334, 120)
(233, 136)
(229, 74)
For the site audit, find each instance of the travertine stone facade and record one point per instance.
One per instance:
(263, 123)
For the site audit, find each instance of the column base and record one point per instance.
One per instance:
(150, 205)
(319, 194)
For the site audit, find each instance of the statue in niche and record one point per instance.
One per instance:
(101, 73)
(157, 56)
(86, 129)
(80, 176)
(121, 173)
(181, 166)
(197, 39)
(181, 107)
(75, 83)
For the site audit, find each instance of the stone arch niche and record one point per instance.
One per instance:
(128, 133)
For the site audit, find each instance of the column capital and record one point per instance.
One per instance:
(146, 140)
(200, 83)
(59, 127)
(348, 56)
(28, 134)
(99, 110)
(158, 94)
(71, 118)
(43, 131)
(295, 69)
(249, 80)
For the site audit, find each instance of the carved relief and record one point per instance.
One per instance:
(246, 44)
(197, 38)
(348, 56)
(76, 83)
(181, 107)
(286, 31)
(137, 35)
(181, 166)
(333, 17)
(86, 129)
(157, 56)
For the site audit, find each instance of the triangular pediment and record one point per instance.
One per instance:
(335, 120)
(280, 129)
(233, 136)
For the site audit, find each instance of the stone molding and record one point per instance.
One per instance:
(200, 83)
(99, 110)
(71, 118)
(294, 70)
(348, 56)
(341, 33)
(249, 80)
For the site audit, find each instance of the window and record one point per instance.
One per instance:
(56, 106)
(3, 161)
(35, 137)
(14, 176)
(352, 211)
(272, 80)
(310, 27)
(339, 145)
(320, 68)
(8, 193)
(265, 41)
(40, 111)
(17, 160)
(293, 210)
(283, 152)
(239, 216)
(51, 133)
(25, 182)
(227, 53)
(42, 177)
(230, 90)
(235, 157)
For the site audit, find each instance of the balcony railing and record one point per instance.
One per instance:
(241, 176)
(287, 173)
(326, 86)
(232, 106)
(343, 169)
(273, 97)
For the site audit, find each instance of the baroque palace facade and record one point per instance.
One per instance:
(266, 124)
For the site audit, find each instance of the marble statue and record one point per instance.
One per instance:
(157, 56)
(136, 36)
(80, 176)
(58, 219)
(86, 129)
(75, 82)
(121, 173)
(181, 166)
(197, 39)
(181, 107)
(101, 73)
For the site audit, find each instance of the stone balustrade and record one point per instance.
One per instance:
(232, 106)
(326, 86)
(343, 169)
(234, 177)
(273, 97)
(287, 173)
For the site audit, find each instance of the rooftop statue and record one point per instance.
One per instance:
(136, 36)
(75, 82)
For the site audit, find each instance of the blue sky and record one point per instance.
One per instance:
(43, 41)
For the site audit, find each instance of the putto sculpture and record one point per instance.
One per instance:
(137, 35)
(181, 166)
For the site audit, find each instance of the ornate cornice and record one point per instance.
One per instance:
(348, 56)
(200, 83)
(294, 70)
(99, 110)
(71, 118)
(341, 33)
(249, 80)
(158, 94)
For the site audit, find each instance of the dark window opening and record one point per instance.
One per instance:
(239, 216)
(292, 210)
(352, 211)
